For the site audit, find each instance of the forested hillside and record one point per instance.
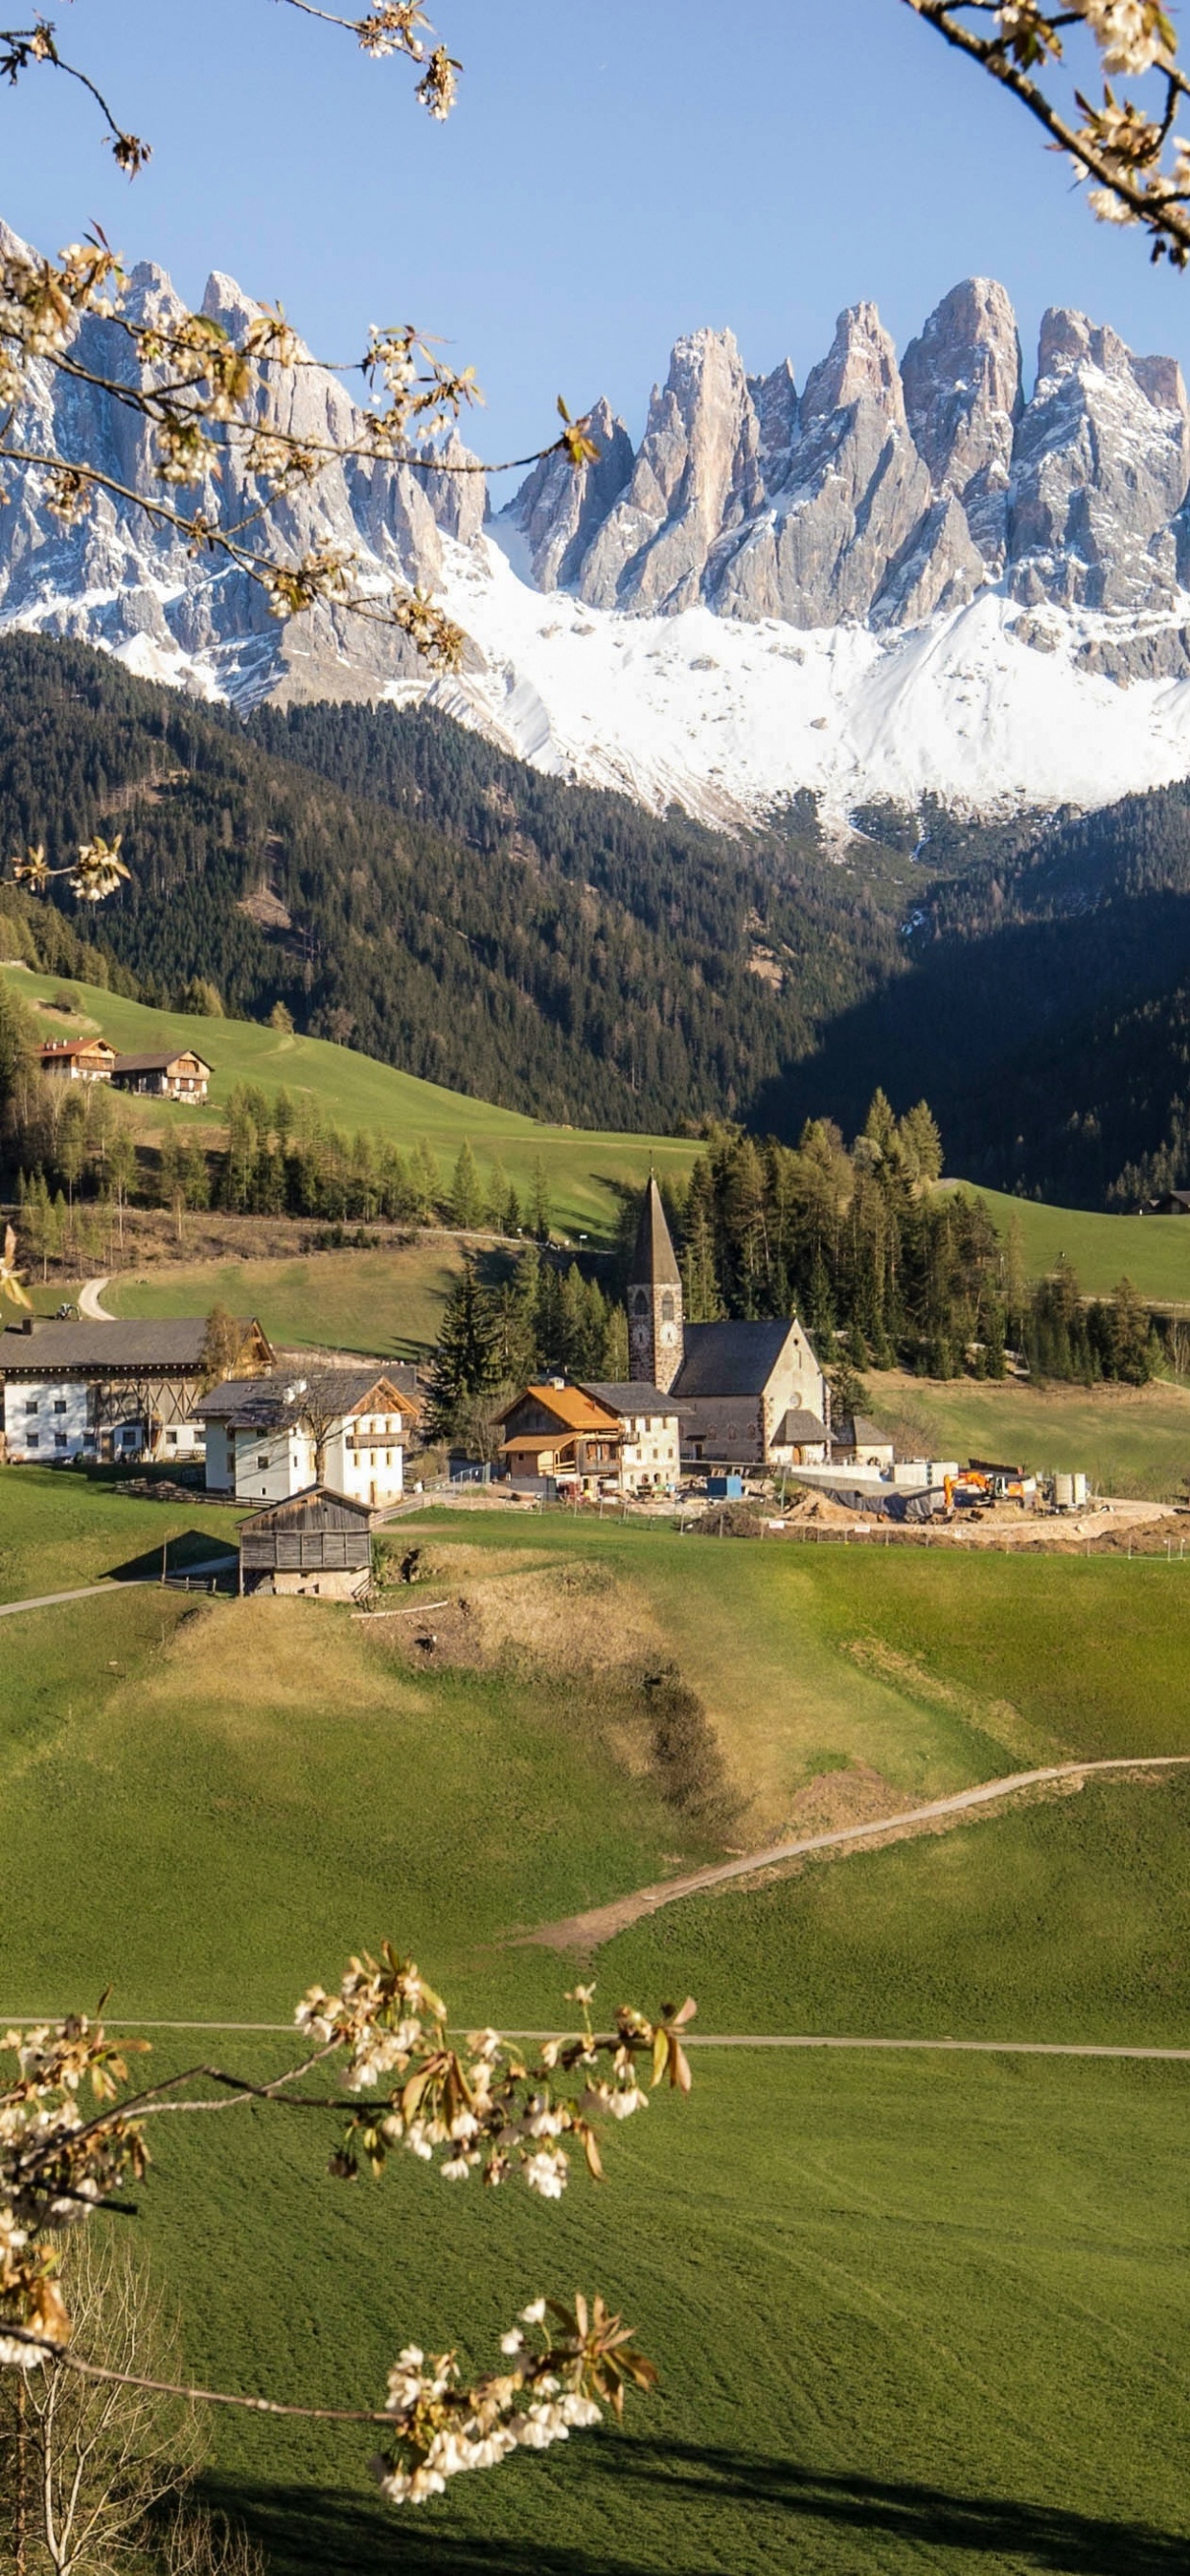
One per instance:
(401, 886)
(1046, 1013)
(558, 951)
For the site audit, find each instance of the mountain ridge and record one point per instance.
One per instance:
(909, 577)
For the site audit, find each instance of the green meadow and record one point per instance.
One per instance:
(387, 1303)
(352, 1091)
(1128, 1440)
(911, 2311)
(1152, 1251)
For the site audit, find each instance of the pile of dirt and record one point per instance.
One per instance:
(813, 1506)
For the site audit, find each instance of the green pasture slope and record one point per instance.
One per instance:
(1152, 1251)
(387, 1303)
(911, 2311)
(1128, 1440)
(353, 1091)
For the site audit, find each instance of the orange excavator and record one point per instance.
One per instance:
(975, 1487)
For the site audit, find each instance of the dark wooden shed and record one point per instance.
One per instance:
(315, 1542)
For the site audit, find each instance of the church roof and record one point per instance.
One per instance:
(730, 1359)
(654, 1261)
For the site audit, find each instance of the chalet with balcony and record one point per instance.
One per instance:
(276, 1437)
(77, 1059)
(170, 1076)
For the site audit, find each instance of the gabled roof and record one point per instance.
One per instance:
(289, 1395)
(654, 1262)
(319, 1507)
(633, 1398)
(730, 1359)
(158, 1063)
(61, 1047)
(799, 1429)
(858, 1433)
(574, 1406)
(151, 1342)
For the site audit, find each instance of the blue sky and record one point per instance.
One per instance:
(613, 175)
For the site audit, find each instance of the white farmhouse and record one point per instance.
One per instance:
(344, 1429)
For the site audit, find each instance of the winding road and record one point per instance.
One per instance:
(91, 1302)
(586, 1931)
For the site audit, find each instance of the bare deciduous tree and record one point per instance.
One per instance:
(83, 2462)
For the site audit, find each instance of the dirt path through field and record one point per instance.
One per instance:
(586, 1931)
(91, 1302)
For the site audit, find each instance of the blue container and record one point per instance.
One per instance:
(725, 1489)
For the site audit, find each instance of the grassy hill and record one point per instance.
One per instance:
(1152, 1251)
(907, 2309)
(1129, 1440)
(352, 1091)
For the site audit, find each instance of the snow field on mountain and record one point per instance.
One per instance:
(727, 718)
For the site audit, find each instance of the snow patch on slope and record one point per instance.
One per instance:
(727, 718)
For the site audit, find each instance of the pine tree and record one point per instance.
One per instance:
(539, 1202)
(427, 1182)
(466, 1193)
(466, 1363)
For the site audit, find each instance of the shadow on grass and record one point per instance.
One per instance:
(708, 2501)
(189, 1549)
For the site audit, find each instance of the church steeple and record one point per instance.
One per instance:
(655, 1320)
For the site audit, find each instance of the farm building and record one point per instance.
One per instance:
(1170, 1203)
(650, 1454)
(344, 1428)
(862, 1443)
(317, 1542)
(746, 1394)
(77, 1059)
(180, 1076)
(109, 1390)
(561, 1431)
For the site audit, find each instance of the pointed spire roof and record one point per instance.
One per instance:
(654, 1261)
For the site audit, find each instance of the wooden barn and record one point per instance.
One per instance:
(317, 1543)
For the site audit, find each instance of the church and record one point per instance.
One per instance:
(746, 1394)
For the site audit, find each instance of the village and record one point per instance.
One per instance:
(728, 1425)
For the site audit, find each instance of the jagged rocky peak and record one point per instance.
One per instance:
(775, 403)
(559, 508)
(695, 475)
(1100, 470)
(456, 492)
(861, 367)
(818, 553)
(962, 381)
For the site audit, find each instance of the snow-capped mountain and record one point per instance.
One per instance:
(908, 577)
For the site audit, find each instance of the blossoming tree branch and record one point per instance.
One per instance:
(213, 396)
(486, 2108)
(1128, 148)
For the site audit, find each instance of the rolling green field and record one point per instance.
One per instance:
(352, 1091)
(1128, 1440)
(388, 1304)
(1152, 1251)
(911, 2311)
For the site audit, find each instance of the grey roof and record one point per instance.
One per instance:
(730, 1359)
(636, 1397)
(800, 1429)
(654, 1262)
(319, 1507)
(151, 1342)
(157, 1062)
(286, 1395)
(858, 1432)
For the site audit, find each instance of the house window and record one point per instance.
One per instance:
(60, 1404)
(30, 1404)
(640, 1303)
(171, 1439)
(59, 1440)
(33, 1439)
(263, 1459)
(667, 1307)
